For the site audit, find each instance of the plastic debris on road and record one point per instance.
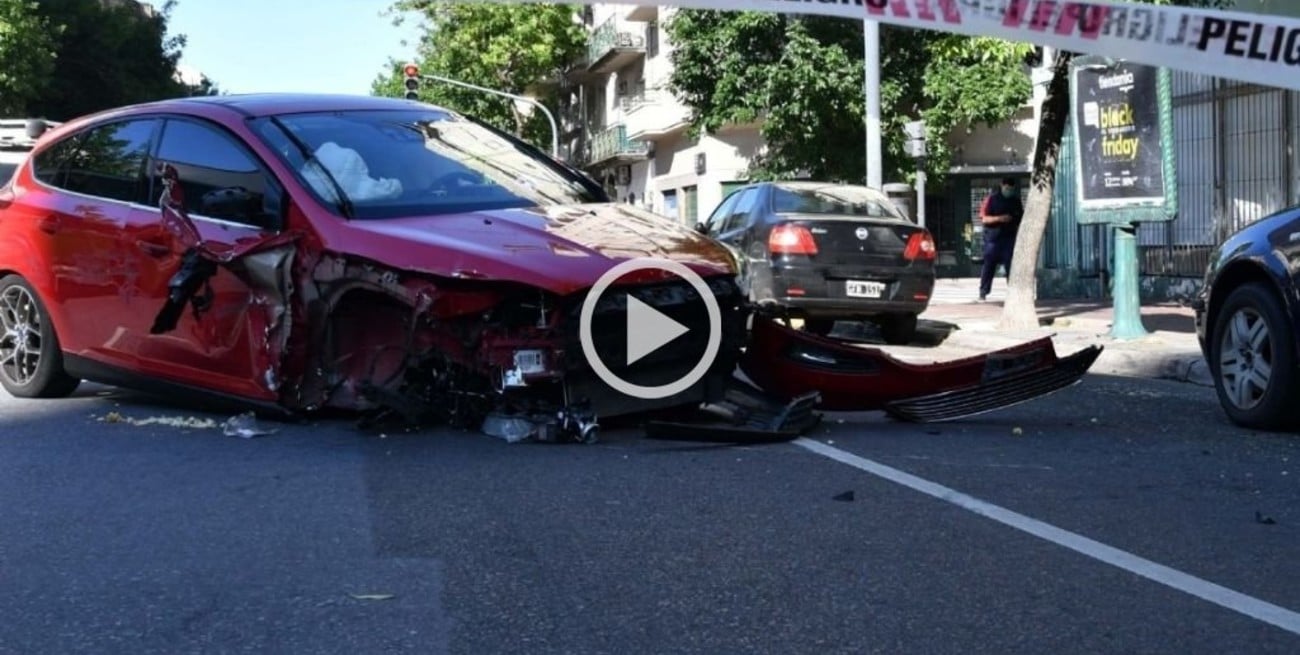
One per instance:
(244, 426)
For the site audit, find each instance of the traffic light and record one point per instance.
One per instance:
(412, 73)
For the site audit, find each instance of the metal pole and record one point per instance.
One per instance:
(555, 130)
(920, 193)
(871, 86)
(1127, 303)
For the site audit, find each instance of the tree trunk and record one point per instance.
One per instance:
(1020, 312)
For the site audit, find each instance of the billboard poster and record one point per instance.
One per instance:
(1118, 137)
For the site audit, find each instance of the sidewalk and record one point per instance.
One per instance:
(1170, 351)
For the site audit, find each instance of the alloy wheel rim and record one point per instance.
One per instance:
(20, 336)
(1246, 359)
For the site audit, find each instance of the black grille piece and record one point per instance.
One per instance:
(997, 393)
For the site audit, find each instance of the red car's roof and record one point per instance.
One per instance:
(249, 105)
(268, 104)
(256, 105)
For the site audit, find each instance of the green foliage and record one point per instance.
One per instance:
(27, 55)
(102, 55)
(970, 82)
(108, 56)
(513, 48)
(803, 77)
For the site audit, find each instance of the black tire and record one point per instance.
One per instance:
(1252, 397)
(897, 329)
(25, 326)
(819, 326)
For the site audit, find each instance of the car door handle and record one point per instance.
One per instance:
(50, 224)
(153, 248)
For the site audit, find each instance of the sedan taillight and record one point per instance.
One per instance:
(919, 246)
(791, 240)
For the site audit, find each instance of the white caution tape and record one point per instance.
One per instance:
(1259, 48)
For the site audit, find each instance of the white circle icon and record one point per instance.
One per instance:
(653, 330)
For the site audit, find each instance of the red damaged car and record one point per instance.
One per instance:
(301, 252)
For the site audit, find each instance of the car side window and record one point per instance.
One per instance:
(219, 177)
(740, 213)
(106, 161)
(719, 215)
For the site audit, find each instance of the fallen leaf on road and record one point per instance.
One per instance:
(373, 596)
(1017, 431)
(1266, 520)
(846, 497)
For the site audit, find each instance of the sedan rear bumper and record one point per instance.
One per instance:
(818, 294)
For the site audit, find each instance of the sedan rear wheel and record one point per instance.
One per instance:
(1254, 360)
(31, 363)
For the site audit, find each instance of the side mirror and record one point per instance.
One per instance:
(36, 127)
(702, 228)
(231, 202)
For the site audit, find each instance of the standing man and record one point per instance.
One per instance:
(1000, 214)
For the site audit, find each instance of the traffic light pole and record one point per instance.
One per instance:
(555, 130)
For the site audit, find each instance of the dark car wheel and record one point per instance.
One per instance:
(897, 329)
(31, 362)
(1254, 360)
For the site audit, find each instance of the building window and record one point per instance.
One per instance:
(691, 205)
(670, 205)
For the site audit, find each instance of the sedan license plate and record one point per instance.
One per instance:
(861, 289)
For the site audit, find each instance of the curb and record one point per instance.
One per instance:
(1116, 358)
(1179, 367)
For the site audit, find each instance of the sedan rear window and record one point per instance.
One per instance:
(377, 164)
(834, 200)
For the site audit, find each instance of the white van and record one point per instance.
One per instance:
(17, 137)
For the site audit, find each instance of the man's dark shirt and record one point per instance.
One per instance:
(1003, 234)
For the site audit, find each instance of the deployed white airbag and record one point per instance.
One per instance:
(351, 172)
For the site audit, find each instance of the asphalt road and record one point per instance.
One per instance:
(122, 538)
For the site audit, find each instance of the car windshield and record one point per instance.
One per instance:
(379, 164)
(836, 200)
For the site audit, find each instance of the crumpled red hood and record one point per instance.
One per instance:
(560, 249)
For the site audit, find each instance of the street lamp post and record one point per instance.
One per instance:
(555, 130)
(871, 88)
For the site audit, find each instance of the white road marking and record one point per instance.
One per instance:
(1203, 589)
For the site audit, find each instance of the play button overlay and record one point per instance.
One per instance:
(650, 333)
(648, 330)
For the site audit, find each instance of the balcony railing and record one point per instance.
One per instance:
(612, 142)
(635, 100)
(608, 41)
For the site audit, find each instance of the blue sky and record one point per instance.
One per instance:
(328, 46)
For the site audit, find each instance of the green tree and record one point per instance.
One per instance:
(108, 55)
(802, 77)
(1020, 310)
(27, 55)
(506, 47)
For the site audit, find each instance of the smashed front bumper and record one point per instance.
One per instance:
(788, 363)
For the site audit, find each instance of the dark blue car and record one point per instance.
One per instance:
(1247, 318)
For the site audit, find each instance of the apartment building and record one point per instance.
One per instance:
(620, 122)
